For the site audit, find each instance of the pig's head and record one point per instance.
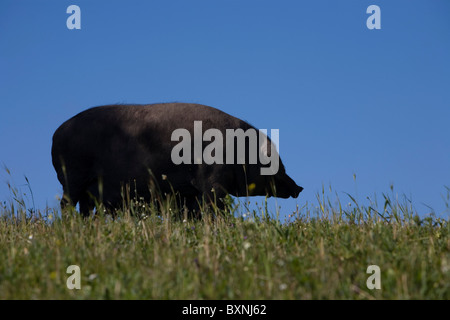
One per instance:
(269, 176)
(281, 185)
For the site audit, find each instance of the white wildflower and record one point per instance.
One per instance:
(283, 286)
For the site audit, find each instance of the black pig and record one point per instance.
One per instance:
(100, 150)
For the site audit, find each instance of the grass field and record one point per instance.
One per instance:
(321, 251)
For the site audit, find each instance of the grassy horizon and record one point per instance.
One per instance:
(320, 251)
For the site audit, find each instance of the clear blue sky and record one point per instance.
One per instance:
(347, 100)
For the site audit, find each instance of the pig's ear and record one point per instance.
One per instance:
(268, 148)
(264, 148)
(264, 144)
(264, 151)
